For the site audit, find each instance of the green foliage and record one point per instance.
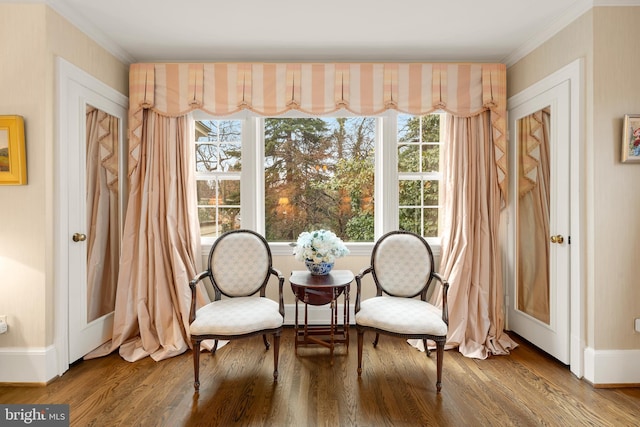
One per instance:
(318, 174)
(360, 228)
(418, 156)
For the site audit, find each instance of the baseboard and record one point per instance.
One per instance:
(612, 368)
(27, 366)
(316, 314)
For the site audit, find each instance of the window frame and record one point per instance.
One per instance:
(386, 194)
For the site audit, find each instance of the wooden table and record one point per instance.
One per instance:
(322, 290)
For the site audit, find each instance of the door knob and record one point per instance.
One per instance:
(557, 239)
(79, 237)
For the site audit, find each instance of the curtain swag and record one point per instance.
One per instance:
(271, 89)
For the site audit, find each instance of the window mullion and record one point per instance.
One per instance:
(386, 177)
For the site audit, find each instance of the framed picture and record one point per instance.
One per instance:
(631, 138)
(13, 162)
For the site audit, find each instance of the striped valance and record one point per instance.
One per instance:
(272, 89)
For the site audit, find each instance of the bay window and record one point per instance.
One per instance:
(358, 176)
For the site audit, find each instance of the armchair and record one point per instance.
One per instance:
(402, 269)
(239, 267)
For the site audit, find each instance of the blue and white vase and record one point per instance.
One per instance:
(319, 268)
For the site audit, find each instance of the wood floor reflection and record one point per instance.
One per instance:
(397, 388)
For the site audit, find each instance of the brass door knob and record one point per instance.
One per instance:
(79, 237)
(557, 239)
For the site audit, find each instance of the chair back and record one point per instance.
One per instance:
(402, 264)
(239, 263)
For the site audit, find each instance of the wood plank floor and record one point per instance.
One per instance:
(397, 388)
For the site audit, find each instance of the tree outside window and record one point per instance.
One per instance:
(319, 173)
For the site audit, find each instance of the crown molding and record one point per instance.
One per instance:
(568, 16)
(80, 22)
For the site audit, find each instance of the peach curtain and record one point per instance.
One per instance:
(464, 90)
(160, 246)
(533, 215)
(103, 242)
(470, 252)
(159, 256)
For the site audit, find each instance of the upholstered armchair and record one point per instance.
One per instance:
(239, 267)
(403, 271)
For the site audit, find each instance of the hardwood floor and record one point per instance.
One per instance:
(397, 388)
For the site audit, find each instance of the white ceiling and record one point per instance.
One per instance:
(325, 30)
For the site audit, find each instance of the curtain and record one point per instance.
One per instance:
(160, 238)
(471, 258)
(103, 242)
(221, 89)
(533, 215)
(160, 246)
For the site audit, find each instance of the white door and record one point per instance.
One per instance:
(539, 283)
(92, 126)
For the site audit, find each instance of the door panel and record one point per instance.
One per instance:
(91, 207)
(539, 304)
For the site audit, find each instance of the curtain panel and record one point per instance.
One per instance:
(271, 89)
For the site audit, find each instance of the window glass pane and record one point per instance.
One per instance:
(228, 219)
(431, 193)
(206, 157)
(411, 220)
(430, 125)
(207, 219)
(430, 158)
(319, 173)
(230, 156)
(229, 131)
(430, 222)
(408, 127)
(229, 193)
(409, 193)
(206, 192)
(408, 158)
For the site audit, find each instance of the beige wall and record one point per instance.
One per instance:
(606, 40)
(616, 213)
(31, 36)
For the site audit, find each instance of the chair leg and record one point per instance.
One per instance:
(360, 342)
(440, 356)
(276, 352)
(215, 347)
(266, 341)
(426, 348)
(196, 364)
(375, 341)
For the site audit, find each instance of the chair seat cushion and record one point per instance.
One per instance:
(237, 316)
(402, 316)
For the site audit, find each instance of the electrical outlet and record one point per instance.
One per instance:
(3, 323)
(638, 324)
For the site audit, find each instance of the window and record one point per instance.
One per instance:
(319, 172)
(419, 154)
(218, 158)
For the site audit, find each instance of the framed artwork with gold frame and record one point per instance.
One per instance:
(13, 161)
(631, 138)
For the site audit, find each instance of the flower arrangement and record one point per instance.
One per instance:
(319, 246)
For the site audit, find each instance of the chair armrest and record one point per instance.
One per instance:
(193, 285)
(280, 277)
(359, 276)
(445, 292)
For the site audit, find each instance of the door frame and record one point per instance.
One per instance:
(71, 108)
(574, 74)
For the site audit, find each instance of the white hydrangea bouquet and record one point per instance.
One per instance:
(319, 246)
